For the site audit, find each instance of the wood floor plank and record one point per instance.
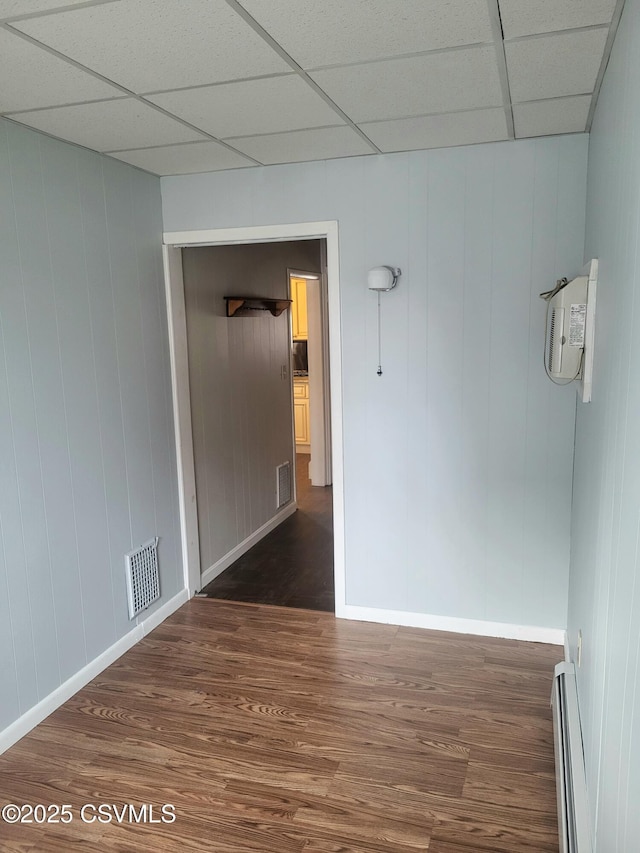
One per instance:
(273, 729)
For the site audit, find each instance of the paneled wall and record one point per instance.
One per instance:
(604, 600)
(458, 459)
(87, 456)
(240, 400)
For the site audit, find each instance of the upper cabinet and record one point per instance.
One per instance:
(299, 308)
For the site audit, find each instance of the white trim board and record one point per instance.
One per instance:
(174, 241)
(31, 718)
(235, 553)
(181, 402)
(502, 630)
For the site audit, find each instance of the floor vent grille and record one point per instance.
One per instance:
(571, 783)
(283, 476)
(143, 580)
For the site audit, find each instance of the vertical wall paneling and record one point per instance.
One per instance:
(240, 401)
(14, 364)
(385, 242)
(36, 403)
(87, 467)
(445, 319)
(476, 319)
(604, 592)
(418, 473)
(444, 493)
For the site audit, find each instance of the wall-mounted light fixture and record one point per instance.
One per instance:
(381, 280)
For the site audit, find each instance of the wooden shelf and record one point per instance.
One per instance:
(256, 303)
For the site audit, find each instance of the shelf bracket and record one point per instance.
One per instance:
(256, 303)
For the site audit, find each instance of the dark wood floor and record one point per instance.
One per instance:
(276, 730)
(293, 565)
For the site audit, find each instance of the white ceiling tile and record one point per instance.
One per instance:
(149, 45)
(32, 78)
(184, 159)
(542, 118)
(110, 125)
(524, 17)
(556, 65)
(250, 107)
(440, 82)
(440, 131)
(11, 8)
(300, 145)
(334, 31)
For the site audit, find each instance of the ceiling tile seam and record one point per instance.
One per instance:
(43, 13)
(120, 88)
(476, 45)
(217, 83)
(282, 53)
(608, 45)
(551, 135)
(555, 98)
(431, 115)
(467, 110)
(167, 145)
(571, 31)
(283, 132)
(61, 106)
(501, 60)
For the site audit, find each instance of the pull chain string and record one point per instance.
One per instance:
(379, 371)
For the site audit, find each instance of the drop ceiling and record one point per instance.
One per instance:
(179, 86)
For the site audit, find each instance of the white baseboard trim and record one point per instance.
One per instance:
(531, 633)
(235, 553)
(31, 718)
(162, 613)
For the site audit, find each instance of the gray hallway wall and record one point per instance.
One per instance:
(87, 456)
(240, 402)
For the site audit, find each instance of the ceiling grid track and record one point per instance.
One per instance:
(501, 58)
(613, 29)
(224, 84)
(255, 26)
(127, 93)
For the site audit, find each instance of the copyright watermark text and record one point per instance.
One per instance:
(88, 813)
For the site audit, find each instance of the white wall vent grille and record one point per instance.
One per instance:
(143, 580)
(283, 474)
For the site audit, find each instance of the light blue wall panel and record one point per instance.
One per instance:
(604, 594)
(458, 458)
(87, 461)
(14, 359)
(87, 590)
(39, 438)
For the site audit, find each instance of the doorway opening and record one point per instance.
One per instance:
(234, 367)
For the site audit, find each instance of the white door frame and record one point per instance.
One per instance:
(319, 400)
(174, 242)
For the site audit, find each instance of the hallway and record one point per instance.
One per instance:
(293, 565)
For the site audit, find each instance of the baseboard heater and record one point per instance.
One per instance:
(571, 784)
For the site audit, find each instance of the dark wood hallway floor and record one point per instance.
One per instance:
(293, 565)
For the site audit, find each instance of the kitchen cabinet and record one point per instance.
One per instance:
(299, 322)
(301, 410)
